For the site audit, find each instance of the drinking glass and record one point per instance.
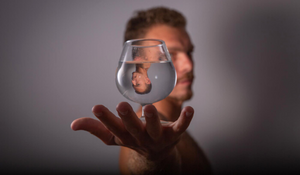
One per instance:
(145, 73)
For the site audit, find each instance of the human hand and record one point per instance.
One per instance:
(150, 139)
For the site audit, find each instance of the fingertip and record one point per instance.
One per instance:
(74, 126)
(189, 111)
(189, 108)
(150, 109)
(97, 110)
(123, 103)
(147, 114)
(123, 108)
(183, 122)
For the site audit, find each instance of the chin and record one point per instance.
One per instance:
(183, 97)
(187, 97)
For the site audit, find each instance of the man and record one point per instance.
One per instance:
(152, 148)
(143, 57)
(140, 80)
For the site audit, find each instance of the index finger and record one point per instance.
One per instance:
(113, 123)
(95, 127)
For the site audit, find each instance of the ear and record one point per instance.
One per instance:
(148, 81)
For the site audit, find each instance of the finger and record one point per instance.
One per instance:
(95, 127)
(182, 123)
(153, 125)
(130, 120)
(111, 122)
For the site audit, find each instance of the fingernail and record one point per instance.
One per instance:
(99, 114)
(188, 114)
(123, 112)
(148, 114)
(73, 127)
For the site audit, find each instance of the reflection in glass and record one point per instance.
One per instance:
(145, 73)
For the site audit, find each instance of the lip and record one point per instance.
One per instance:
(185, 82)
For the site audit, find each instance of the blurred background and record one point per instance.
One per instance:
(58, 60)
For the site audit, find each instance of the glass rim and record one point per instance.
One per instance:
(162, 43)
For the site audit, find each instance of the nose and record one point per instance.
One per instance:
(133, 82)
(184, 63)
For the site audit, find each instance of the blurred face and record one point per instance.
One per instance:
(180, 47)
(140, 82)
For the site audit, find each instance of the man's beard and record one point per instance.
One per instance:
(185, 97)
(188, 95)
(187, 76)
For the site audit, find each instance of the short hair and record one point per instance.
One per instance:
(138, 25)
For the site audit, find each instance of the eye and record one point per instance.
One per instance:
(190, 54)
(162, 58)
(173, 55)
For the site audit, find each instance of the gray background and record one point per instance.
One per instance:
(58, 60)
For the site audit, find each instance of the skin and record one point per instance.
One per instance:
(150, 147)
(140, 79)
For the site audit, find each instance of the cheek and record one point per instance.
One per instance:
(179, 66)
(175, 90)
(176, 66)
